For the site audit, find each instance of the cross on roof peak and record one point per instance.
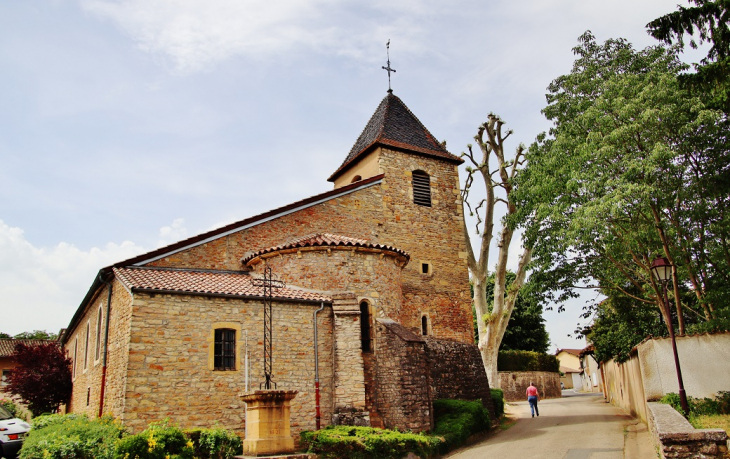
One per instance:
(388, 69)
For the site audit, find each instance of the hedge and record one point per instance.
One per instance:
(335, 442)
(498, 400)
(527, 361)
(457, 420)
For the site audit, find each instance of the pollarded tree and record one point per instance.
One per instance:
(497, 172)
(42, 377)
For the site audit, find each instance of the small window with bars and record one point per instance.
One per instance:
(421, 188)
(225, 349)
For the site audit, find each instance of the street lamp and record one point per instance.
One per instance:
(662, 270)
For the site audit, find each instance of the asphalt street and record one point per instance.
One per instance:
(577, 426)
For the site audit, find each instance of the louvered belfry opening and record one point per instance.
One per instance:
(225, 349)
(421, 188)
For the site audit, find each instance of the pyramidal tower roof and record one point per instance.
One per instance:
(394, 125)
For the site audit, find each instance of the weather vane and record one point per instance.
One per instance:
(388, 69)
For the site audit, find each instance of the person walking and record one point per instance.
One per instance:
(532, 398)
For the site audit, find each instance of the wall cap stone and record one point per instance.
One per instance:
(670, 427)
(402, 332)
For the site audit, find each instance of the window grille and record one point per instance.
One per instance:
(421, 188)
(225, 349)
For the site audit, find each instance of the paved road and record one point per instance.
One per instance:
(577, 426)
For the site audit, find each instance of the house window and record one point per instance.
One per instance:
(98, 334)
(225, 349)
(4, 381)
(365, 328)
(86, 346)
(421, 188)
(426, 268)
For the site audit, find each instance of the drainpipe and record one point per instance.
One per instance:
(106, 344)
(316, 368)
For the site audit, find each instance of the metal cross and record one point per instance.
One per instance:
(388, 69)
(269, 284)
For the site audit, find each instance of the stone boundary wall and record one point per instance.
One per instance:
(402, 393)
(457, 372)
(515, 383)
(676, 438)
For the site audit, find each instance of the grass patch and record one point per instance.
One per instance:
(711, 421)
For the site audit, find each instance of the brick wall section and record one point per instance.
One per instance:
(515, 383)
(88, 382)
(168, 374)
(676, 438)
(349, 376)
(369, 274)
(402, 391)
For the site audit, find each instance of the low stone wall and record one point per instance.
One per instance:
(515, 383)
(457, 372)
(676, 438)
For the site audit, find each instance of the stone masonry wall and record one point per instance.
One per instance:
(515, 383)
(402, 386)
(169, 375)
(385, 214)
(85, 397)
(457, 372)
(431, 235)
(349, 375)
(675, 437)
(367, 274)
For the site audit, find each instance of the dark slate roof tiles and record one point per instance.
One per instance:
(393, 124)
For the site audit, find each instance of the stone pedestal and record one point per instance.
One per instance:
(268, 422)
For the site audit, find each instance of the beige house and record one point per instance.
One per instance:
(375, 311)
(570, 368)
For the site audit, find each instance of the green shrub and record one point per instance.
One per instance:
(456, 420)
(72, 436)
(10, 406)
(527, 361)
(47, 420)
(215, 443)
(161, 440)
(366, 443)
(498, 401)
(700, 406)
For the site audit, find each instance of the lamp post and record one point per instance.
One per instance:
(662, 270)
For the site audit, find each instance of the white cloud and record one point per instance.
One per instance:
(194, 35)
(172, 233)
(42, 287)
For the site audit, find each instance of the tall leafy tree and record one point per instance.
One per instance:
(495, 170)
(36, 334)
(632, 168)
(708, 21)
(42, 377)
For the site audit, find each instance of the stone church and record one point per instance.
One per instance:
(374, 319)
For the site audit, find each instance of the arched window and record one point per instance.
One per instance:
(97, 351)
(424, 325)
(365, 337)
(224, 357)
(421, 188)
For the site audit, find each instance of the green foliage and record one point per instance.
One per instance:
(700, 406)
(71, 436)
(720, 323)
(498, 401)
(456, 420)
(214, 443)
(36, 334)
(366, 443)
(527, 361)
(42, 377)
(161, 440)
(634, 166)
(10, 406)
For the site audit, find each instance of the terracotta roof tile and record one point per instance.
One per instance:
(229, 283)
(393, 124)
(7, 346)
(575, 352)
(324, 240)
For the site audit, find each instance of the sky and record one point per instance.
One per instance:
(126, 125)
